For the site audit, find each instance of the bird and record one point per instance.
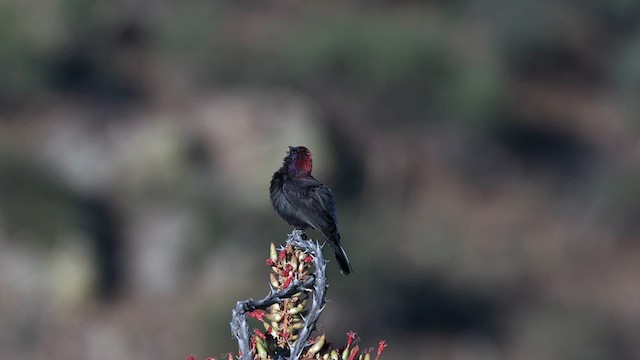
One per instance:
(304, 202)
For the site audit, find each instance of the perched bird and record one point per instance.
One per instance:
(304, 202)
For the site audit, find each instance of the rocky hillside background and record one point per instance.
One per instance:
(485, 156)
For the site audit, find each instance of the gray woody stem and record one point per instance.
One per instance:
(316, 283)
(318, 292)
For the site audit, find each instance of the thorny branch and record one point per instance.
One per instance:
(317, 284)
(318, 294)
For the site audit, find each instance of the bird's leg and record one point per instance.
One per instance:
(302, 234)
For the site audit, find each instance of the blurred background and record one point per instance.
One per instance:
(485, 156)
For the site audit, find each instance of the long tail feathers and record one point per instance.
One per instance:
(341, 256)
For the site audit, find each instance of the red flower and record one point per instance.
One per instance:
(256, 314)
(354, 352)
(270, 262)
(286, 283)
(350, 337)
(191, 357)
(260, 334)
(282, 255)
(287, 270)
(381, 346)
(308, 259)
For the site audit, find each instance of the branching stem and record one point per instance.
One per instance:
(317, 284)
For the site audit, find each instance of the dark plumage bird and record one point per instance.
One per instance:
(304, 202)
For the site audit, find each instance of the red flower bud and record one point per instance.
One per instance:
(350, 337)
(381, 346)
(259, 334)
(256, 314)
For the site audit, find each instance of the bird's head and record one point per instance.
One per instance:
(298, 161)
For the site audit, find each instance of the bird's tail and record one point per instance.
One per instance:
(341, 256)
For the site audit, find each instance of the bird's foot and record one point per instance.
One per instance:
(301, 233)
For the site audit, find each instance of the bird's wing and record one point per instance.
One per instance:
(316, 204)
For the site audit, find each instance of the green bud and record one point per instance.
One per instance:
(334, 354)
(262, 352)
(317, 345)
(345, 353)
(297, 326)
(274, 281)
(274, 317)
(273, 254)
(296, 309)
